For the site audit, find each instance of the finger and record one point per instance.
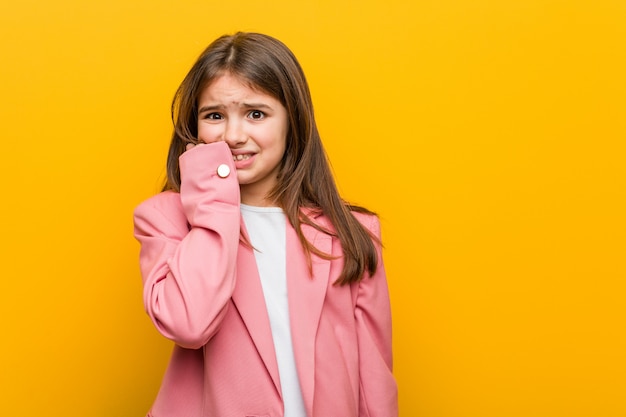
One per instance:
(189, 146)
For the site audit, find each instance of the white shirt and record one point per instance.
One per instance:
(266, 227)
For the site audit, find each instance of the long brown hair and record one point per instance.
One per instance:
(305, 179)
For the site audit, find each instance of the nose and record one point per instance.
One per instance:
(234, 134)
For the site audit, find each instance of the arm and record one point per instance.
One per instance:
(378, 391)
(189, 247)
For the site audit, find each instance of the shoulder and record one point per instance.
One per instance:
(164, 208)
(367, 219)
(164, 201)
(370, 221)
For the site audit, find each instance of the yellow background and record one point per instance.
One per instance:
(489, 135)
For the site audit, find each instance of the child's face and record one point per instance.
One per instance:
(253, 124)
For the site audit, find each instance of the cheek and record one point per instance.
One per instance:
(279, 138)
(207, 133)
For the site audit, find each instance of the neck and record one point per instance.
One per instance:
(257, 200)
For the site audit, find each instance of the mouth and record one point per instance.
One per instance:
(241, 157)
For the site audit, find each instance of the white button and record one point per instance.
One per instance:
(223, 170)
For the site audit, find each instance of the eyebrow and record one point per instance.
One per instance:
(260, 106)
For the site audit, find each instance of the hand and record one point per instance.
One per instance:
(192, 145)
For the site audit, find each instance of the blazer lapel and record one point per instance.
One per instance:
(250, 302)
(306, 298)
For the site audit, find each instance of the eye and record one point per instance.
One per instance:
(256, 115)
(213, 116)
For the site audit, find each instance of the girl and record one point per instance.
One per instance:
(271, 286)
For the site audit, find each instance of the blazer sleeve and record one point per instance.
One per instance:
(378, 390)
(189, 247)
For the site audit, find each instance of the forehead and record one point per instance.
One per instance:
(227, 83)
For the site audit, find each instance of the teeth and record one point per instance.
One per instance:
(240, 157)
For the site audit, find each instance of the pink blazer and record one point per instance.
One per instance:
(202, 290)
